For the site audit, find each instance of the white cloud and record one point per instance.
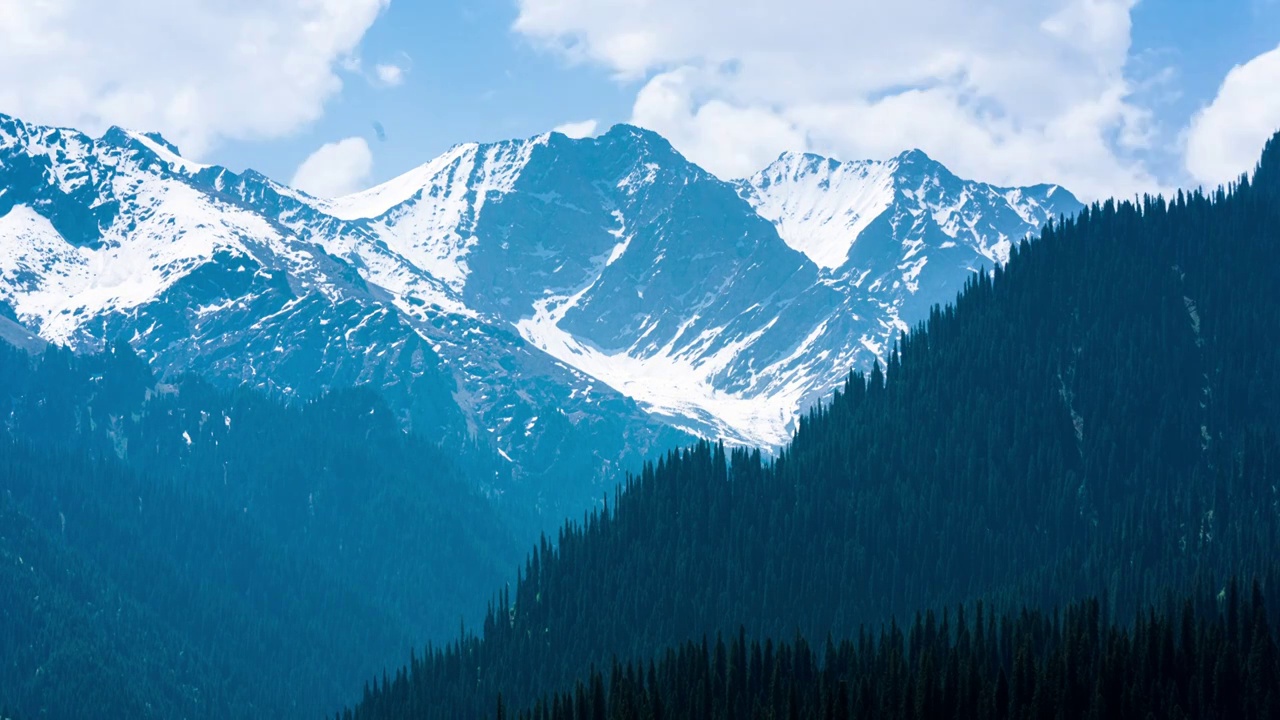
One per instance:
(732, 140)
(196, 70)
(1226, 138)
(336, 169)
(1011, 91)
(390, 74)
(579, 130)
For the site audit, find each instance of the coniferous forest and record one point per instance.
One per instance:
(169, 550)
(1206, 659)
(1098, 420)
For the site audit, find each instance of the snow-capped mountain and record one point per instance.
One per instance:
(244, 280)
(553, 296)
(905, 232)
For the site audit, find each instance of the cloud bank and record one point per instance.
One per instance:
(579, 130)
(336, 169)
(198, 71)
(1009, 91)
(1226, 137)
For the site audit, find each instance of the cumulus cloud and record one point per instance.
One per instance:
(1226, 138)
(197, 70)
(389, 74)
(579, 130)
(392, 73)
(1010, 91)
(336, 169)
(733, 140)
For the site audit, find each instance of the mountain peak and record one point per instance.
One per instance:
(804, 162)
(798, 164)
(11, 129)
(463, 169)
(915, 156)
(635, 138)
(822, 207)
(626, 131)
(160, 140)
(151, 144)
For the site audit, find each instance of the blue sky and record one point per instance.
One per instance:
(469, 78)
(1200, 42)
(1103, 96)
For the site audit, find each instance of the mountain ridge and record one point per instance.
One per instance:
(607, 280)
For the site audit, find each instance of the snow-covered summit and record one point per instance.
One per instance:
(480, 168)
(607, 282)
(822, 206)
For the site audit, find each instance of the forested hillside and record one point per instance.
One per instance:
(1099, 418)
(1209, 658)
(175, 551)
